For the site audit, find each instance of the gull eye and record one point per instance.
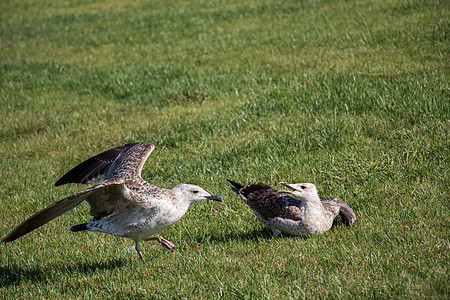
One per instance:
(195, 192)
(303, 187)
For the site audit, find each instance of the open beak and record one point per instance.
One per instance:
(214, 197)
(287, 185)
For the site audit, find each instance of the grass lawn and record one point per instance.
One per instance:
(351, 95)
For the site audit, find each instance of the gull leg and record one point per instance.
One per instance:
(138, 250)
(275, 232)
(165, 243)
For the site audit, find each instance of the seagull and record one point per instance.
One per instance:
(304, 215)
(123, 204)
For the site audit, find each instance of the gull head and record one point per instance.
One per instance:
(193, 193)
(303, 191)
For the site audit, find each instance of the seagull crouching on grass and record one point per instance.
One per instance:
(123, 204)
(284, 214)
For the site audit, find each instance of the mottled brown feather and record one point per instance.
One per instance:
(129, 164)
(339, 207)
(47, 214)
(269, 202)
(125, 163)
(123, 204)
(126, 158)
(288, 215)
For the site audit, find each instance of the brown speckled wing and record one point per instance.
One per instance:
(107, 198)
(129, 164)
(270, 203)
(121, 195)
(101, 164)
(104, 198)
(47, 214)
(338, 207)
(291, 210)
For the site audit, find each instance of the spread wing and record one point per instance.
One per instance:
(114, 195)
(276, 205)
(267, 201)
(47, 214)
(125, 161)
(339, 207)
(104, 199)
(244, 192)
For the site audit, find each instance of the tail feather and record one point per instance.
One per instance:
(341, 208)
(79, 227)
(348, 214)
(236, 186)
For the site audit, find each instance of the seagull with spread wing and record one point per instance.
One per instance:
(123, 204)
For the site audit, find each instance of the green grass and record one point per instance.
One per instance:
(350, 95)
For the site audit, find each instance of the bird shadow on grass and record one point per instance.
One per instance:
(15, 275)
(255, 235)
